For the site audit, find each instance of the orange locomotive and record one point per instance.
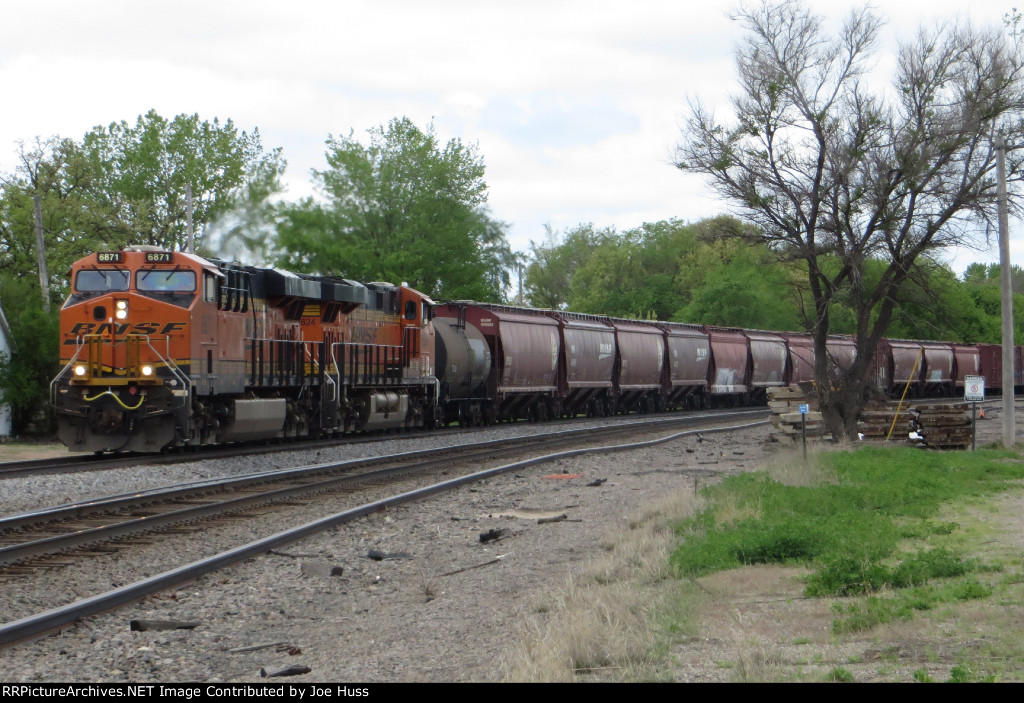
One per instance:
(164, 348)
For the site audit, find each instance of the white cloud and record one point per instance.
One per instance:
(575, 105)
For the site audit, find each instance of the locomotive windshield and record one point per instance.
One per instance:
(166, 281)
(100, 280)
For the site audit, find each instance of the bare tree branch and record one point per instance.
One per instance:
(838, 176)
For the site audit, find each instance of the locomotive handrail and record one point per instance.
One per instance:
(53, 389)
(169, 362)
(86, 341)
(389, 360)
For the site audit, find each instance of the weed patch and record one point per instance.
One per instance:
(848, 528)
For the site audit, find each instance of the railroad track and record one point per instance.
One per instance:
(79, 462)
(87, 462)
(284, 487)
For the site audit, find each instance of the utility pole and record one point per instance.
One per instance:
(1006, 284)
(188, 213)
(44, 278)
(519, 266)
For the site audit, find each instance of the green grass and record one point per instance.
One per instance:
(849, 530)
(839, 675)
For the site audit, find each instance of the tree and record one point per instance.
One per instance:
(634, 274)
(401, 208)
(25, 376)
(737, 284)
(144, 171)
(56, 171)
(554, 263)
(829, 169)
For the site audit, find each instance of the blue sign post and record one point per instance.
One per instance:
(804, 407)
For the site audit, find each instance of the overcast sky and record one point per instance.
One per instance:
(574, 106)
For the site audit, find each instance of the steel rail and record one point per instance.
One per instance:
(90, 462)
(55, 619)
(109, 504)
(301, 480)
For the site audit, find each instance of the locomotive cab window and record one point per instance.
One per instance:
(101, 280)
(410, 310)
(166, 281)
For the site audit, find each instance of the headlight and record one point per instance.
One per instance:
(147, 370)
(122, 309)
(80, 370)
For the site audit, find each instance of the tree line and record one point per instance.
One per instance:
(704, 273)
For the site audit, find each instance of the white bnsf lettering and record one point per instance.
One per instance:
(486, 322)
(702, 354)
(606, 350)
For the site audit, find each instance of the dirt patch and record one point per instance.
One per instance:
(21, 451)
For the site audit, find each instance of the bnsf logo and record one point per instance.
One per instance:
(83, 328)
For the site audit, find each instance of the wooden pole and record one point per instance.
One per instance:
(1006, 284)
(188, 221)
(44, 278)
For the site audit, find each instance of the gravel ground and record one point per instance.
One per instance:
(441, 607)
(403, 618)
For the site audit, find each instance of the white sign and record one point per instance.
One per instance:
(974, 388)
(804, 409)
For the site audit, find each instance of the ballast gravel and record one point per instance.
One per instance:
(434, 604)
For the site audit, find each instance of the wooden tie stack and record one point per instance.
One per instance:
(877, 419)
(945, 425)
(784, 403)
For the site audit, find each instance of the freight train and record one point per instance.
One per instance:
(165, 349)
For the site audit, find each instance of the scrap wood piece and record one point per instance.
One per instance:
(378, 555)
(286, 671)
(297, 555)
(495, 560)
(557, 518)
(256, 647)
(149, 625)
(531, 513)
(493, 535)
